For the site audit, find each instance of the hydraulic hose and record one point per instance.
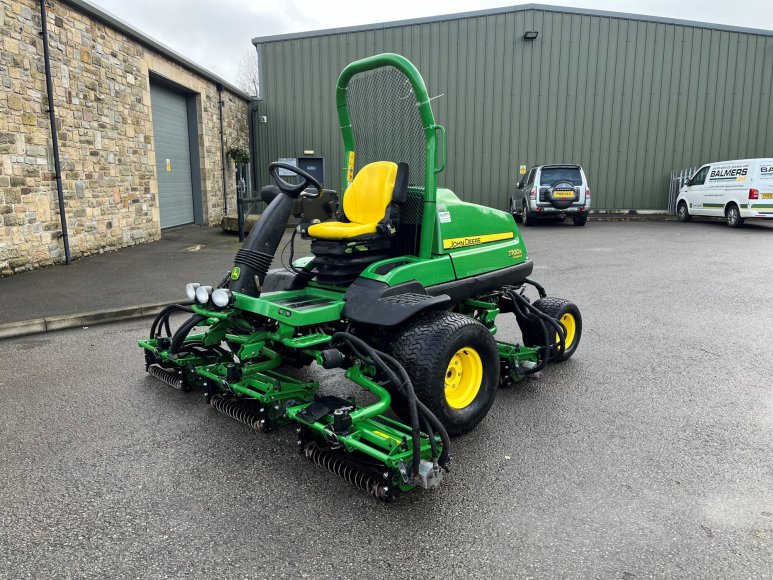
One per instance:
(517, 298)
(183, 331)
(431, 434)
(542, 361)
(409, 394)
(445, 454)
(375, 357)
(163, 316)
(539, 287)
(532, 314)
(428, 415)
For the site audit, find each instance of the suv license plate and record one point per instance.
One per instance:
(563, 194)
(767, 196)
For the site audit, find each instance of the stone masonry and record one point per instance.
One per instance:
(105, 129)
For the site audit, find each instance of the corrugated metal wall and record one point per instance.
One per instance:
(628, 99)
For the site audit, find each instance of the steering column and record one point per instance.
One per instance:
(254, 258)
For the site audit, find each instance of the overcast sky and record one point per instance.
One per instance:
(215, 33)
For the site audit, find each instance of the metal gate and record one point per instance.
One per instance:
(173, 155)
(678, 177)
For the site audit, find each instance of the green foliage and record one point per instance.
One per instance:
(239, 154)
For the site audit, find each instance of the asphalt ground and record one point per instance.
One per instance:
(144, 274)
(648, 454)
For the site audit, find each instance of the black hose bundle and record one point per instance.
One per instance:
(162, 319)
(417, 411)
(527, 311)
(184, 330)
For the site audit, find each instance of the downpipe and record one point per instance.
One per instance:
(54, 135)
(222, 148)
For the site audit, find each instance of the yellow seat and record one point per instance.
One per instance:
(365, 203)
(338, 230)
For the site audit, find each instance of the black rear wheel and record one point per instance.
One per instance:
(514, 211)
(453, 362)
(526, 218)
(580, 220)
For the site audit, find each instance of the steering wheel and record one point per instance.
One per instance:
(290, 189)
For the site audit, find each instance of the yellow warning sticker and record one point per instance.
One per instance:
(350, 168)
(385, 436)
(454, 243)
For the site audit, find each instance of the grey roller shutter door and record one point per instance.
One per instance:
(173, 155)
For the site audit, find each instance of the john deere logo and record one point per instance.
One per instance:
(235, 273)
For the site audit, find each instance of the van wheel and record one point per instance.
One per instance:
(683, 213)
(733, 215)
(580, 220)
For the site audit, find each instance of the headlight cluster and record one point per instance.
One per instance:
(221, 297)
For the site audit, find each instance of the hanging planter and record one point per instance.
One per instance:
(239, 154)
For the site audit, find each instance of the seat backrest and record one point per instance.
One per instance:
(374, 187)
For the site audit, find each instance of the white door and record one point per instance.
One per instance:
(695, 191)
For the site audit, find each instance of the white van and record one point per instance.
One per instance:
(736, 190)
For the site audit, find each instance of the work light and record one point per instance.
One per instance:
(190, 290)
(202, 294)
(222, 297)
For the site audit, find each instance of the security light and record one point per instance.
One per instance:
(530, 35)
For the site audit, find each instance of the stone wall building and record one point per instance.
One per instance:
(114, 180)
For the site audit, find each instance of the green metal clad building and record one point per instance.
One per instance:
(628, 97)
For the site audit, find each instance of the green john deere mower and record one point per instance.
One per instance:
(402, 291)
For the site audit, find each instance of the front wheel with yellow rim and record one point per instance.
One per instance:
(568, 315)
(453, 362)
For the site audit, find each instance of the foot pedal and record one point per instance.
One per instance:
(321, 407)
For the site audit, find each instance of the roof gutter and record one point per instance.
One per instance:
(507, 10)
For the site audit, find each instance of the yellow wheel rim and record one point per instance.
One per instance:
(570, 325)
(463, 378)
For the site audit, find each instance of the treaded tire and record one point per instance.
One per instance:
(683, 213)
(555, 308)
(526, 218)
(733, 216)
(514, 212)
(580, 220)
(425, 348)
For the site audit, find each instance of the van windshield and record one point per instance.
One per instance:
(551, 176)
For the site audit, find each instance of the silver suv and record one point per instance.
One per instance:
(554, 191)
